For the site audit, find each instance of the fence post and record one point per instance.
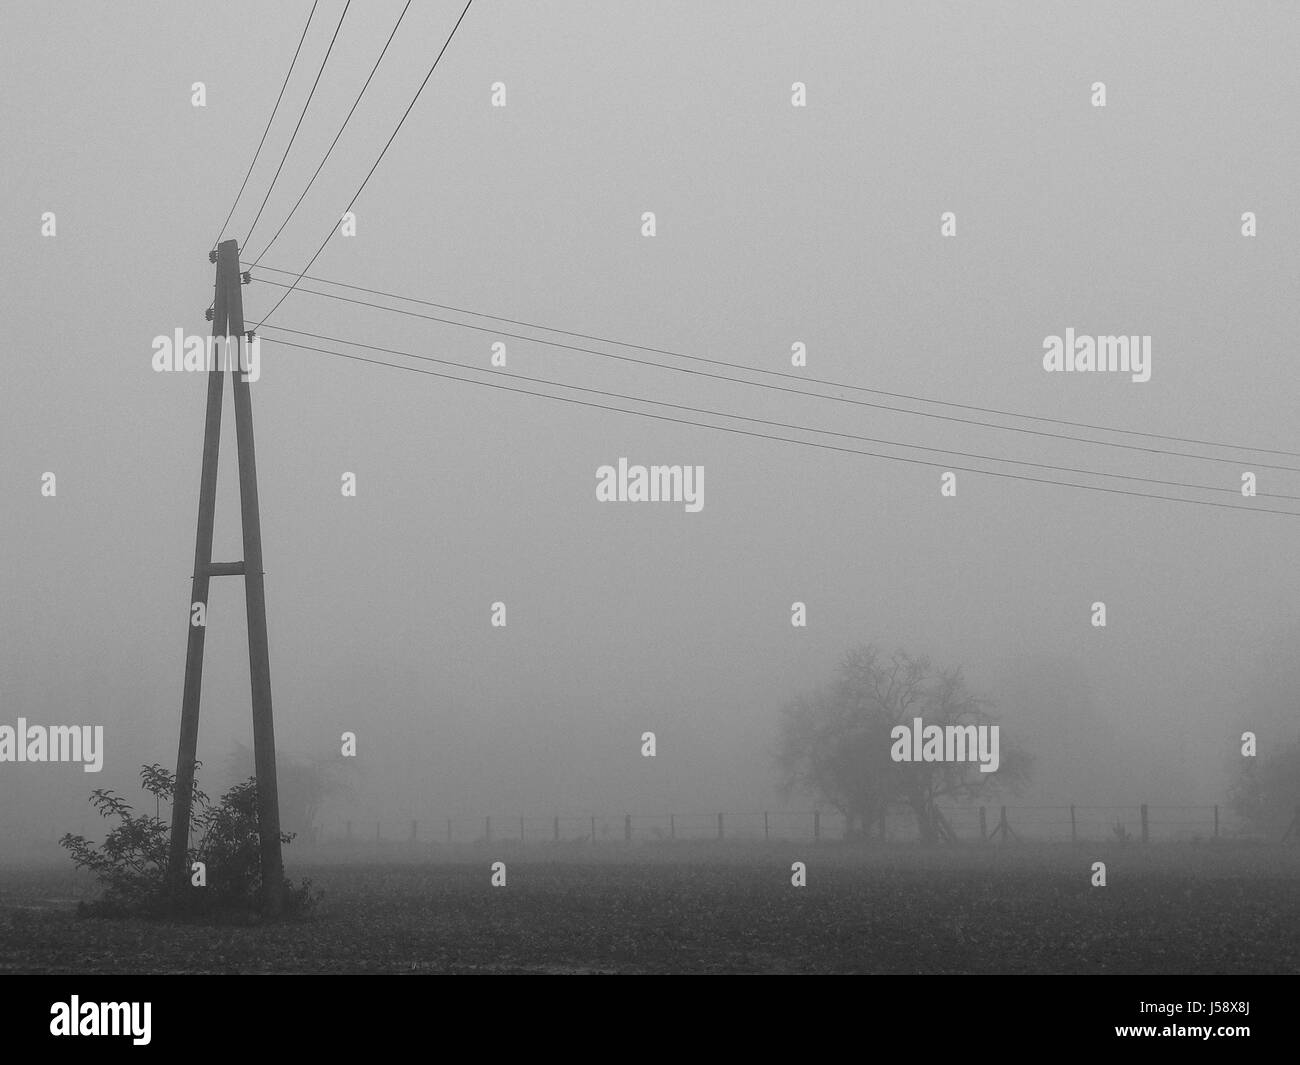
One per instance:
(984, 825)
(413, 830)
(766, 836)
(1144, 823)
(719, 826)
(1216, 820)
(817, 826)
(487, 829)
(1074, 832)
(449, 830)
(627, 828)
(593, 828)
(672, 826)
(557, 830)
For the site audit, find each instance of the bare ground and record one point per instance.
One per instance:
(1172, 908)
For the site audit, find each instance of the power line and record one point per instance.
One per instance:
(782, 388)
(298, 126)
(776, 424)
(336, 136)
(268, 124)
(782, 439)
(433, 66)
(793, 377)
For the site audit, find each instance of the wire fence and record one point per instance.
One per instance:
(1138, 822)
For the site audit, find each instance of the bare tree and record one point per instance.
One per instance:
(1266, 792)
(834, 743)
(303, 786)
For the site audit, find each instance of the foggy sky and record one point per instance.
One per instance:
(775, 224)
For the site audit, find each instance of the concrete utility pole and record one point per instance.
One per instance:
(228, 321)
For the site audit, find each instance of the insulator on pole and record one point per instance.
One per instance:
(247, 277)
(209, 314)
(212, 256)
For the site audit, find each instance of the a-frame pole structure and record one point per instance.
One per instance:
(228, 322)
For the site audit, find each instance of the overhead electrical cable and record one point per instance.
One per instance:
(298, 125)
(432, 67)
(743, 432)
(781, 388)
(268, 125)
(792, 377)
(339, 134)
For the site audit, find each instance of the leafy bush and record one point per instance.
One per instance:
(132, 862)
